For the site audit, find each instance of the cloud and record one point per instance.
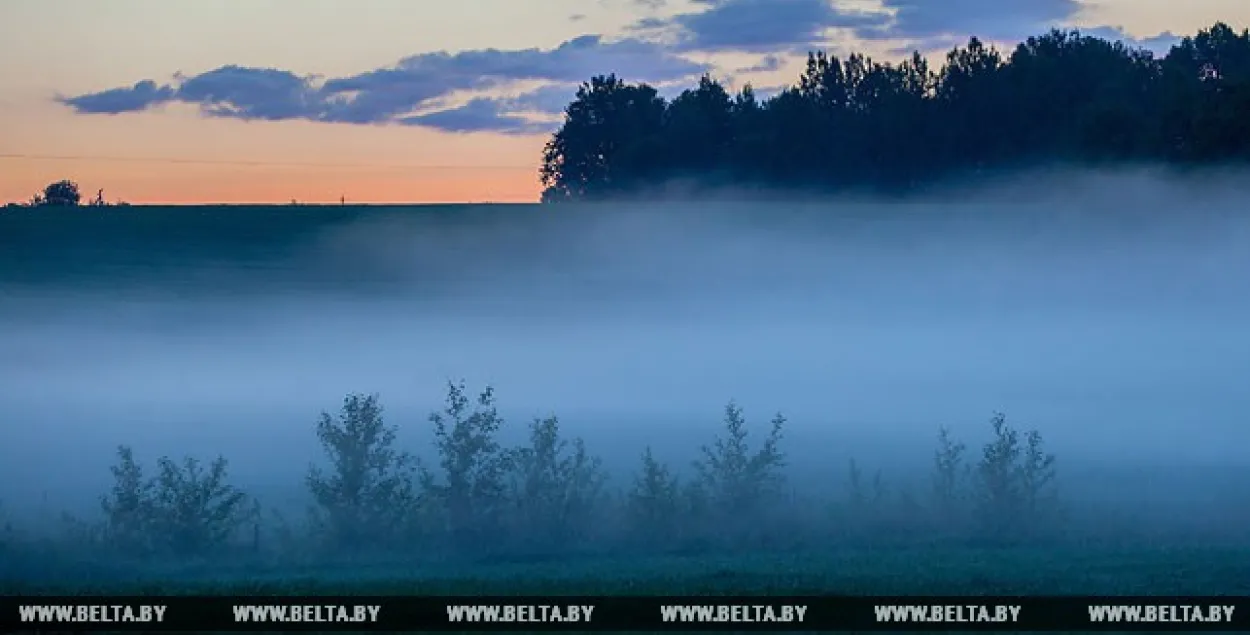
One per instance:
(501, 114)
(252, 93)
(780, 26)
(987, 19)
(480, 115)
(142, 95)
(1159, 44)
(393, 94)
(768, 64)
(549, 99)
(756, 25)
(764, 93)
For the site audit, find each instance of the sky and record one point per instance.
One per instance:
(237, 101)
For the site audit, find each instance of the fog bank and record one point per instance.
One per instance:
(1107, 311)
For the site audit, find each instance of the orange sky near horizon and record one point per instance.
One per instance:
(188, 159)
(175, 154)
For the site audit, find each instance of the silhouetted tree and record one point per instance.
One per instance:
(737, 483)
(127, 513)
(612, 135)
(1015, 482)
(556, 487)
(1207, 78)
(699, 129)
(852, 122)
(367, 494)
(471, 487)
(185, 509)
(61, 194)
(948, 472)
(195, 509)
(654, 501)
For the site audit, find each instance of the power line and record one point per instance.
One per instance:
(297, 164)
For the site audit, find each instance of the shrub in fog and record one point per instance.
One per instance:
(186, 508)
(1015, 482)
(654, 502)
(367, 495)
(550, 493)
(1037, 476)
(853, 511)
(866, 497)
(194, 508)
(128, 513)
(556, 488)
(470, 486)
(880, 491)
(855, 487)
(949, 475)
(8, 537)
(873, 506)
(739, 483)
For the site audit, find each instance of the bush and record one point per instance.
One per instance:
(1015, 483)
(855, 487)
(736, 482)
(550, 494)
(127, 507)
(60, 194)
(1037, 475)
(872, 507)
(8, 537)
(368, 496)
(195, 509)
(471, 492)
(654, 502)
(556, 487)
(949, 472)
(185, 509)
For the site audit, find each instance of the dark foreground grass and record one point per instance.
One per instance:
(859, 571)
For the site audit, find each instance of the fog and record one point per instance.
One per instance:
(1108, 311)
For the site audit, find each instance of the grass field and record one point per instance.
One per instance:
(160, 245)
(851, 571)
(50, 250)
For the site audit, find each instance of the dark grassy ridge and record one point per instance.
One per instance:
(77, 246)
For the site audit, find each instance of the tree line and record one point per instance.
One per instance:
(858, 124)
(552, 496)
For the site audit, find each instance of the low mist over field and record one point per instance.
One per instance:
(1108, 311)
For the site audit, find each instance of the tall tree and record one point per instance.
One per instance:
(699, 129)
(611, 141)
(1208, 82)
(61, 194)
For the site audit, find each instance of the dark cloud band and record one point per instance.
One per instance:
(399, 93)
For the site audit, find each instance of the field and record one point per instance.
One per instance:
(209, 254)
(152, 244)
(858, 571)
